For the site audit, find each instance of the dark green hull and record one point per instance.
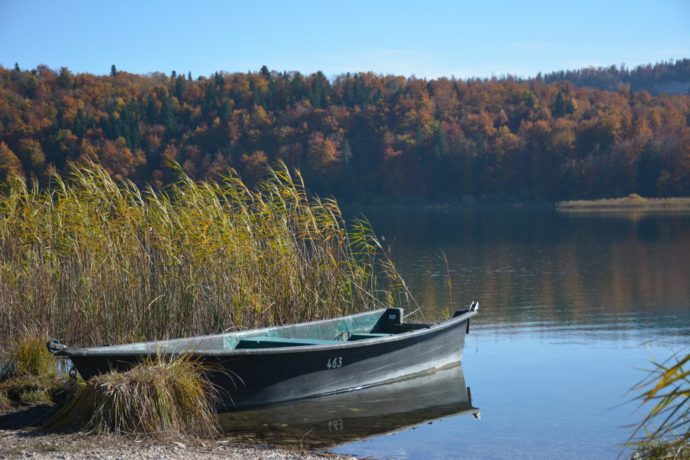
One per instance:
(299, 361)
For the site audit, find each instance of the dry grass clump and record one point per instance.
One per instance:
(653, 450)
(30, 375)
(95, 261)
(162, 396)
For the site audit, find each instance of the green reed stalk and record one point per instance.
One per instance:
(92, 260)
(665, 431)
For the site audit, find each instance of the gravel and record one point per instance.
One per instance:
(21, 437)
(32, 444)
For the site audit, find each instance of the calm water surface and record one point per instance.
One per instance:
(573, 308)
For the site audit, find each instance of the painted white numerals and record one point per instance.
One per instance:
(335, 425)
(334, 363)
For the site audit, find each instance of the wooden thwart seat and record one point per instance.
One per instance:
(365, 336)
(265, 341)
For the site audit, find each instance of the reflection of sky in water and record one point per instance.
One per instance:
(537, 399)
(572, 309)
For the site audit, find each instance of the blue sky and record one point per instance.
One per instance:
(425, 38)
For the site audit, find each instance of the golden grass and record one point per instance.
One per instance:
(30, 375)
(29, 356)
(161, 396)
(5, 402)
(92, 260)
(632, 202)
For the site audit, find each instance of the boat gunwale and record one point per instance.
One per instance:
(106, 351)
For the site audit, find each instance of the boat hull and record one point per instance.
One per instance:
(253, 377)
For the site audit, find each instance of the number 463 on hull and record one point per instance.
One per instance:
(277, 364)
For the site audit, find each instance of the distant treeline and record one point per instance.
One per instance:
(671, 77)
(359, 136)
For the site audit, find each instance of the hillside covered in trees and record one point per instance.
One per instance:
(357, 136)
(665, 77)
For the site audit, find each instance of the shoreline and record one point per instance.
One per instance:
(21, 437)
(34, 444)
(632, 202)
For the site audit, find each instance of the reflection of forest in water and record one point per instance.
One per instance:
(541, 269)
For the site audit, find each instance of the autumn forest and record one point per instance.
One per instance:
(361, 137)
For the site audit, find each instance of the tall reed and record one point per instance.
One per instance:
(92, 260)
(665, 431)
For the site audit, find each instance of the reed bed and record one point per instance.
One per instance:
(632, 202)
(92, 260)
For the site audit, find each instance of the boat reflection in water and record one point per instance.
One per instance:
(327, 421)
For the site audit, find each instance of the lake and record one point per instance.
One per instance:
(573, 308)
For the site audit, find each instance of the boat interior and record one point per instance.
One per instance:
(362, 326)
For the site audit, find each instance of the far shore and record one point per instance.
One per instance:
(632, 202)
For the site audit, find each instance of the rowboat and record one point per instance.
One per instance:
(327, 421)
(297, 361)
